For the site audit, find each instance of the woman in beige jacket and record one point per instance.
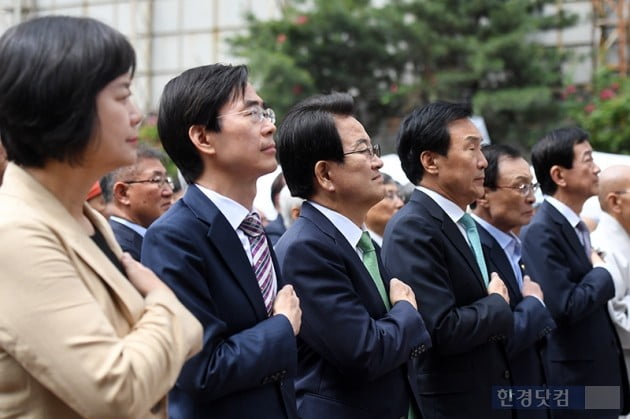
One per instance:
(84, 330)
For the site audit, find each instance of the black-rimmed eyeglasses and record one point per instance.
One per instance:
(373, 150)
(524, 189)
(159, 181)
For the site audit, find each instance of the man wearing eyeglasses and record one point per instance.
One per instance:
(584, 350)
(361, 332)
(141, 193)
(377, 217)
(508, 204)
(211, 250)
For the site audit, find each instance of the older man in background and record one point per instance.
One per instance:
(378, 216)
(612, 239)
(140, 194)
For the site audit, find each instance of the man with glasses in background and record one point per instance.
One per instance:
(361, 331)
(584, 350)
(211, 250)
(140, 194)
(508, 204)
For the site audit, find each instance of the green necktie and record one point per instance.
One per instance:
(370, 262)
(473, 238)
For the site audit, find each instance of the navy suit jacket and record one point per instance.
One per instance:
(355, 358)
(128, 239)
(584, 350)
(248, 362)
(275, 229)
(532, 322)
(468, 327)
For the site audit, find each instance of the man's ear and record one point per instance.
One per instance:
(430, 162)
(557, 174)
(323, 177)
(614, 203)
(120, 192)
(483, 201)
(202, 139)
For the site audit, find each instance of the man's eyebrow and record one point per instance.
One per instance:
(361, 141)
(253, 102)
(472, 138)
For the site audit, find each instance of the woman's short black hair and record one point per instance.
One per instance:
(53, 68)
(309, 134)
(195, 98)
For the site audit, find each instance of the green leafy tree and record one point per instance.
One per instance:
(403, 54)
(602, 109)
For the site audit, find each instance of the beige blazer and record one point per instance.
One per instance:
(76, 338)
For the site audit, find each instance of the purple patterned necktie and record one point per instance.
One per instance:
(261, 257)
(585, 238)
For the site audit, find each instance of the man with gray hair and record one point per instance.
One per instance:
(140, 194)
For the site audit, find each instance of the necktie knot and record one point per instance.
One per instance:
(365, 243)
(582, 227)
(468, 222)
(252, 226)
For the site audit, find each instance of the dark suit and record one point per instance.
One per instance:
(128, 239)
(423, 246)
(248, 361)
(275, 229)
(584, 349)
(355, 358)
(532, 322)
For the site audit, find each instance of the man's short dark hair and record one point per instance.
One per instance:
(307, 135)
(426, 129)
(555, 148)
(53, 68)
(195, 98)
(276, 186)
(493, 153)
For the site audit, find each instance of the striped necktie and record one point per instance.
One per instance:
(261, 257)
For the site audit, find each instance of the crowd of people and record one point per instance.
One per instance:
(459, 300)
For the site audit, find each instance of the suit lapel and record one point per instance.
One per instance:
(227, 244)
(74, 238)
(451, 231)
(324, 224)
(497, 258)
(567, 231)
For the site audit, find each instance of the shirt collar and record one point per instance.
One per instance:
(135, 227)
(234, 212)
(563, 209)
(449, 207)
(510, 243)
(347, 228)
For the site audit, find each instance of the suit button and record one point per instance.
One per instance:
(423, 348)
(506, 374)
